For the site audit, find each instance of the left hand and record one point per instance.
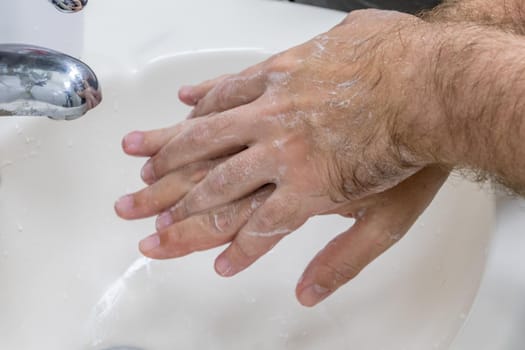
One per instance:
(326, 127)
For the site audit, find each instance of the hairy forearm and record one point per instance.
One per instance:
(477, 79)
(507, 15)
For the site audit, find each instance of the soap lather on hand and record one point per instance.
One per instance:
(354, 122)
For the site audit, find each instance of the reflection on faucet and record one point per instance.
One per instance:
(69, 6)
(90, 95)
(39, 82)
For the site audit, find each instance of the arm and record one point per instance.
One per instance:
(476, 67)
(507, 15)
(479, 76)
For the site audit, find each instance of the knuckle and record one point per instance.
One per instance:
(223, 179)
(173, 239)
(281, 63)
(343, 271)
(195, 172)
(223, 221)
(159, 163)
(143, 198)
(218, 184)
(386, 240)
(193, 203)
(244, 253)
(223, 93)
(225, 123)
(277, 215)
(196, 134)
(181, 209)
(356, 14)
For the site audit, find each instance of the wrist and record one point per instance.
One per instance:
(417, 131)
(477, 79)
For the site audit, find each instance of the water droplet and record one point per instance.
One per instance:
(30, 140)
(6, 163)
(20, 228)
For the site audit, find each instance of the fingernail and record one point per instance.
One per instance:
(312, 295)
(147, 173)
(125, 204)
(150, 243)
(185, 94)
(164, 220)
(133, 141)
(223, 266)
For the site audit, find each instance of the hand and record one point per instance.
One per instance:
(92, 96)
(325, 127)
(381, 220)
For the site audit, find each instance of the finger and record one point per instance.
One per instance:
(342, 260)
(276, 218)
(374, 232)
(236, 177)
(148, 143)
(232, 92)
(204, 231)
(190, 95)
(202, 139)
(164, 193)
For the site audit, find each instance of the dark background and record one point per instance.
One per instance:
(409, 6)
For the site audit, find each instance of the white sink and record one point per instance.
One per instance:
(71, 274)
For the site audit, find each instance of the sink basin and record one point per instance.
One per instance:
(64, 251)
(72, 277)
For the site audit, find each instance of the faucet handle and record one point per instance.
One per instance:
(69, 6)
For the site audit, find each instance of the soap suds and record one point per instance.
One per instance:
(347, 84)
(276, 232)
(360, 215)
(216, 223)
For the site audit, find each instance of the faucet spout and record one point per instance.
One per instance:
(69, 6)
(35, 81)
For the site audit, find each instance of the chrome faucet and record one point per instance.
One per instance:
(69, 6)
(35, 81)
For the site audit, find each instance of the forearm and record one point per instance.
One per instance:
(477, 78)
(508, 15)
